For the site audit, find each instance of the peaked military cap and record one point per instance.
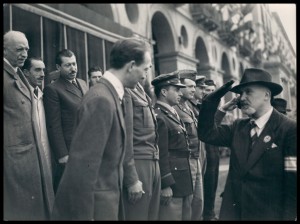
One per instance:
(187, 74)
(168, 79)
(210, 82)
(200, 81)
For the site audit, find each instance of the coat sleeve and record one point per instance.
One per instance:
(54, 122)
(130, 173)
(163, 145)
(208, 130)
(290, 174)
(75, 195)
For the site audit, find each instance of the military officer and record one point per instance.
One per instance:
(176, 180)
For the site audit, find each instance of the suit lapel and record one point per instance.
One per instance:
(264, 141)
(82, 87)
(169, 113)
(243, 144)
(72, 89)
(118, 105)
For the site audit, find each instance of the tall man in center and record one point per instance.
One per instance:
(188, 77)
(92, 184)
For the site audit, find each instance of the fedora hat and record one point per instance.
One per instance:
(259, 77)
(280, 105)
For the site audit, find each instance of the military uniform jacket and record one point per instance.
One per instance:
(173, 153)
(145, 136)
(264, 186)
(190, 122)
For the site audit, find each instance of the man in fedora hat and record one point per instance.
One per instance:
(176, 180)
(280, 105)
(262, 178)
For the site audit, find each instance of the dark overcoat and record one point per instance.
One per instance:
(264, 186)
(27, 180)
(91, 185)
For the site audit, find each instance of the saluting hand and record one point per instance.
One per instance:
(219, 93)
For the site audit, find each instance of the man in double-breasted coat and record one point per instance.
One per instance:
(261, 183)
(27, 179)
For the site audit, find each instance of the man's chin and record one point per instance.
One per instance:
(248, 111)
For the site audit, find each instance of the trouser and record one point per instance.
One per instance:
(177, 209)
(147, 208)
(211, 181)
(198, 198)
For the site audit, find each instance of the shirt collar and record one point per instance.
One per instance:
(14, 68)
(261, 122)
(116, 83)
(172, 109)
(40, 91)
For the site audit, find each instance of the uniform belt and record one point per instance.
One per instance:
(195, 155)
(153, 156)
(179, 154)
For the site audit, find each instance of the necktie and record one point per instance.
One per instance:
(176, 114)
(253, 136)
(36, 92)
(75, 84)
(253, 133)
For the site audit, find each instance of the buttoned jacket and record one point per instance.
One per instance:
(264, 186)
(27, 179)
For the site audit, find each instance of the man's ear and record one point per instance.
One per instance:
(163, 92)
(130, 65)
(58, 67)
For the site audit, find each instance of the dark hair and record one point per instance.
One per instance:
(94, 69)
(63, 53)
(28, 62)
(157, 90)
(126, 50)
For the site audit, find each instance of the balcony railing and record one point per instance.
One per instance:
(206, 15)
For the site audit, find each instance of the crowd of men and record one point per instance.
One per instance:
(108, 151)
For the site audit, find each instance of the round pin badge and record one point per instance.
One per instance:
(267, 138)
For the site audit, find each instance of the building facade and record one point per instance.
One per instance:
(218, 40)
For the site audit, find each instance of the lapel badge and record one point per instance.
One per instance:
(267, 138)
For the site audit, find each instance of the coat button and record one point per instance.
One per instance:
(22, 101)
(179, 132)
(234, 204)
(175, 168)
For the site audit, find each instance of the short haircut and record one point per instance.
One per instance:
(63, 53)
(28, 63)
(126, 50)
(94, 69)
(158, 88)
